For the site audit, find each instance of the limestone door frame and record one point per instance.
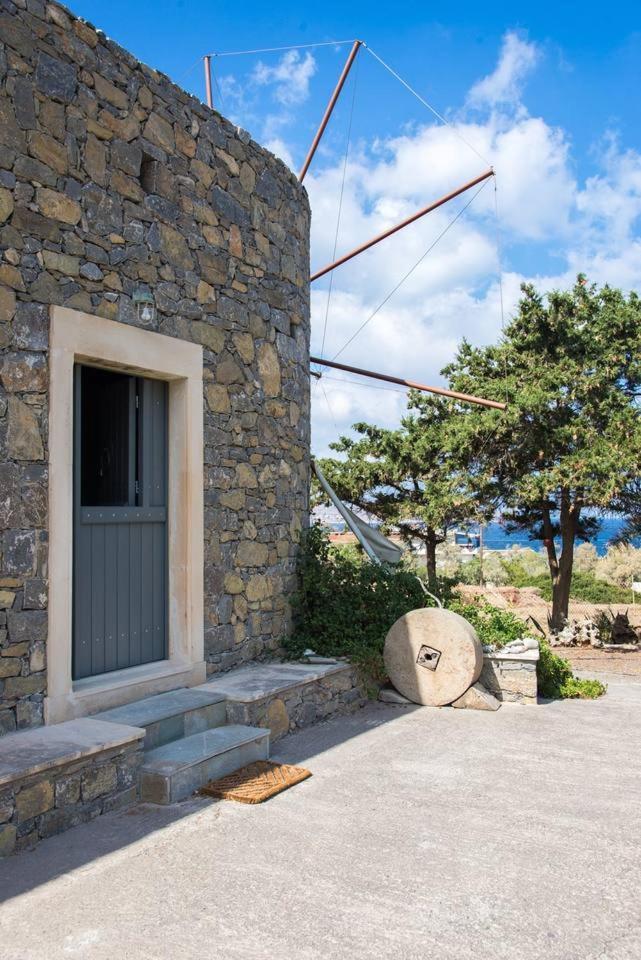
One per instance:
(80, 337)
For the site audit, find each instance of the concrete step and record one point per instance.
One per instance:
(170, 716)
(176, 770)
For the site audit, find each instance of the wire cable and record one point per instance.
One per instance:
(411, 270)
(429, 106)
(294, 46)
(340, 206)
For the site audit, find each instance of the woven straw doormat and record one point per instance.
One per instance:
(257, 782)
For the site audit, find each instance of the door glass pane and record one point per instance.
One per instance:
(106, 429)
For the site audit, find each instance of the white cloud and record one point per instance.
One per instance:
(503, 86)
(290, 77)
(547, 216)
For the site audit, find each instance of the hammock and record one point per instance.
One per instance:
(377, 547)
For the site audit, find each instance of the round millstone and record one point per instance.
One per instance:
(432, 656)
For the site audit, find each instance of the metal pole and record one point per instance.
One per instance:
(330, 108)
(207, 66)
(404, 223)
(441, 391)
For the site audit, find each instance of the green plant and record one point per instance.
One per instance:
(493, 626)
(345, 604)
(554, 674)
(557, 682)
(585, 586)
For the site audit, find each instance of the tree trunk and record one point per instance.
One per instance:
(561, 570)
(430, 558)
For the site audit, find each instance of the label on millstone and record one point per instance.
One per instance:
(428, 657)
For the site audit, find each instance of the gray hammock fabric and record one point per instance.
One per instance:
(377, 547)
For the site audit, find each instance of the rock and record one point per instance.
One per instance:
(6, 204)
(174, 247)
(31, 326)
(8, 833)
(32, 801)
(58, 206)
(269, 369)
(7, 304)
(91, 271)
(390, 695)
(277, 718)
(160, 132)
(477, 698)
(19, 552)
(99, 780)
(23, 436)
(252, 554)
(55, 79)
(217, 398)
(432, 656)
(110, 92)
(24, 373)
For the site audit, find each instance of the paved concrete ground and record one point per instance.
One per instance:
(423, 833)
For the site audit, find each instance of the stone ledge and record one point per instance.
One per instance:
(284, 697)
(56, 777)
(27, 754)
(255, 682)
(511, 676)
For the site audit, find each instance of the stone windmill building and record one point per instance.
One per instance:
(154, 401)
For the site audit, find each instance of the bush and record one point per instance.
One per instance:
(491, 624)
(585, 586)
(557, 682)
(345, 604)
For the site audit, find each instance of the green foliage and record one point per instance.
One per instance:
(491, 624)
(345, 605)
(554, 674)
(568, 446)
(585, 586)
(557, 682)
(407, 478)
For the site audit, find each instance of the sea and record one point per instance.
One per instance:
(495, 537)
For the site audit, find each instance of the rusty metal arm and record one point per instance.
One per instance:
(403, 223)
(330, 108)
(441, 391)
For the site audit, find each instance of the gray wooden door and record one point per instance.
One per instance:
(120, 521)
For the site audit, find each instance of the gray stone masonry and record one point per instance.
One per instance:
(285, 697)
(68, 774)
(114, 179)
(511, 676)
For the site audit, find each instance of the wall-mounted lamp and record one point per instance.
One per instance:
(145, 306)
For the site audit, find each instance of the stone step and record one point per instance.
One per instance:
(171, 716)
(176, 770)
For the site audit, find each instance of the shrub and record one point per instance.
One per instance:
(491, 624)
(345, 605)
(585, 586)
(557, 682)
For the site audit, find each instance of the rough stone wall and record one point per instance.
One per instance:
(112, 179)
(509, 678)
(43, 805)
(302, 705)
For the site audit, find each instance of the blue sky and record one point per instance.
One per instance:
(548, 92)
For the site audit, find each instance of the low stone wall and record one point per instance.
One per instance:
(511, 676)
(50, 802)
(338, 693)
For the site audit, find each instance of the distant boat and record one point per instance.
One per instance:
(467, 540)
